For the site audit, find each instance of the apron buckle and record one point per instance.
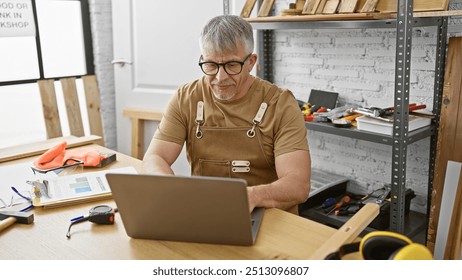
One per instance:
(240, 166)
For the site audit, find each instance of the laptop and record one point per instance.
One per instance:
(185, 208)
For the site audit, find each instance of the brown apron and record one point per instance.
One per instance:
(235, 152)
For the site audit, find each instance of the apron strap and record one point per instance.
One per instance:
(257, 119)
(261, 112)
(199, 119)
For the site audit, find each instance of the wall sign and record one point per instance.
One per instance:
(16, 18)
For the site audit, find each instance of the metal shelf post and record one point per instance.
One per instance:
(401, 116)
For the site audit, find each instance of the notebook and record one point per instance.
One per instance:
(190, 209)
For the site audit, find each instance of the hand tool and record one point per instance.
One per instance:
(328, 202)
(345, 212)
(101, 214)
(383, 112)
(383, 196)
(370, 113)
(7, 218)
(349, 209)
(342, 202)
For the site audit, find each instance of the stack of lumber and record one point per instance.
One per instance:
(343, 9)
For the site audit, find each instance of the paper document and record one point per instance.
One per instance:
(77, 187)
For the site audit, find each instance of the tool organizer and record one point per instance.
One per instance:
(404, 20)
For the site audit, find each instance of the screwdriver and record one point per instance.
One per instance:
(328, 202)
(342, 202)
(348, 209)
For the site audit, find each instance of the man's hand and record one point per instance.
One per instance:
(292, 187)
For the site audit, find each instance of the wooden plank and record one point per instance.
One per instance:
(37, 148)
(310, 7)
(71, 100)
(302, 18)
(449, 135)
(321, 6)
(348, 6)
(265, 8)
(50, 108)
(360, 5)
(438, 13)
(299, 4)
(390, 6)
(247, 9)
(348, 232)
(93, 104)
(453, 244)
(369, 7)
(331, 7)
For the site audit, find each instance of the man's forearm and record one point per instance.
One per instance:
(283, 194)
(156, 165)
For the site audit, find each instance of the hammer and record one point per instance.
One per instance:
(7, 218)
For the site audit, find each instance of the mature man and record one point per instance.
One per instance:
(235, 124)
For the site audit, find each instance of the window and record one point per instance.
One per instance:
(58, 45)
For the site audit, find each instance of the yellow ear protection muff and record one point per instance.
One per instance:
(384, 245)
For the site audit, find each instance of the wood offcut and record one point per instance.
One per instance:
(368, 7)
(348, 6)
(310, 7)
(71, 100)
(247, 9)
(449, 145)
(390, 6)
(265, 8)
(331, 7)
(348, 232)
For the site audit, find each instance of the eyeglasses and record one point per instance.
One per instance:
(68, 166)
(18, 198)
(231, 67)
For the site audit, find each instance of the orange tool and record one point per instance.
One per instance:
(345, 200)
(352, 117)
(416, 107)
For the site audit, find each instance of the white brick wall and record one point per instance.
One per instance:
(359, 64)
(101, 27)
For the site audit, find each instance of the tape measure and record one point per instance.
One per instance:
(341, 123)
(102, 215)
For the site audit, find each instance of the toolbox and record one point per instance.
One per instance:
(324, 185)
(381, 222)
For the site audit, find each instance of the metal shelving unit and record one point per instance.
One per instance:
(404, 23)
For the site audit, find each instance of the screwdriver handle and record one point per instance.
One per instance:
(328, 202)
(342, 202)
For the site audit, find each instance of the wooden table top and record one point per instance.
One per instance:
(282, 235)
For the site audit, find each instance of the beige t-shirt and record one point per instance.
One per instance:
(283, 128)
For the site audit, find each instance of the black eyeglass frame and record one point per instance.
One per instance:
(66, 164)
(224, 65)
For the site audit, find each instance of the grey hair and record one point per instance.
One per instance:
(223, 33)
